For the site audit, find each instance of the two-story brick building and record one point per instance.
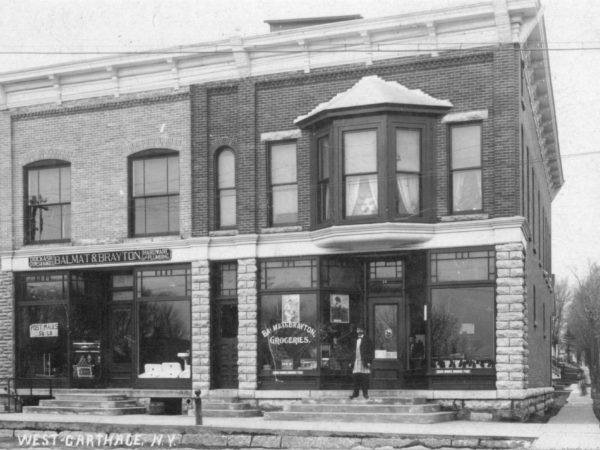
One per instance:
(223, 217)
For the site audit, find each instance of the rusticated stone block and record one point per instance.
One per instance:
(239, 440)
(319, 442)
(266, 441)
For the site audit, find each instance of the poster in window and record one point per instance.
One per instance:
(339, 308)
(290, 308)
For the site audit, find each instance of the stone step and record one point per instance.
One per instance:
(77, 397)
(364, 408)
(435, 417)
(379, 400)
(231, 412)
(84, 410)
(208, 405)
(89, 404)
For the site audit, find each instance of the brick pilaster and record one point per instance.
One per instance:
(7, 320)
(200, 325)
(511, 320)
(248, 325)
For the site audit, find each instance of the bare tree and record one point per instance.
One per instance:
(562, 299)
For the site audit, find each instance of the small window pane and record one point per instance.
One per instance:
(466, 146)
(360, 152)
(361, 195)
(226, 164)
(49, 185)
(285, 204)
(173, 174)
(283, 163)
(323, 158)
(138, 177)
(408, 150)
(156, 219)
(155, 175)
(386, 331)
(139, 206)
(466, 190)
(227, 204)
(408, 194)
(173, 213)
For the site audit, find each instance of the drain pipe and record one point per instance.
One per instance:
(198, 407)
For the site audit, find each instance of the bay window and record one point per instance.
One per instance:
(408, 171)
(360, 173)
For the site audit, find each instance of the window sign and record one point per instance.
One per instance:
(43, 330)
(290, 307)
(340, 308)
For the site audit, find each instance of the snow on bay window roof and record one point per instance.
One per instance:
(375, 91)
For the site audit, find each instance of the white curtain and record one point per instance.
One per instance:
(408, 189)
(352, 187)
(467, 191)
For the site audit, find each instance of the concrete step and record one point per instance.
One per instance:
(379, 400)
(78, 397)
(208, 405)
(364, 408)
(84, 410)
(92, 403)
(231, 412)
(435, 417)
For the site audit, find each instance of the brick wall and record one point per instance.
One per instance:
(96, 140)
(7, 321)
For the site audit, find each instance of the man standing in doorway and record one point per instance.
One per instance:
(361, 368)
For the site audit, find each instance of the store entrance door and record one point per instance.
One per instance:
(224, 344)
(386, 329)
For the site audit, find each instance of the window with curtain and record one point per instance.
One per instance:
(465, 141)
(226, 191)
(408, 171)
(323, 196)
(48, 204)
(360, 173)
(283, 183)
(155, 193)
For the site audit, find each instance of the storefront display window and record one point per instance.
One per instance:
(164, 325)
(462, 329)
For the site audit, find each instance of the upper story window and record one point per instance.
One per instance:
(154, 193)
(373, 154)
(283, 183)
(226, 191)
(48, 204)
(465, 168)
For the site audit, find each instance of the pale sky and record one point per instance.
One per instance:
(83, 27)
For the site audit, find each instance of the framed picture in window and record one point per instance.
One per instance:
(290, 308)
(339, 308)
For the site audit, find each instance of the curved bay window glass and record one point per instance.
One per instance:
(164, 324)
(42, 328)
(48, 205)
(155, 193)
(462, 317)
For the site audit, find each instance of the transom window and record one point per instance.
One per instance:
(465, 141)
(48, 208)
(155, 193)
(283, 183)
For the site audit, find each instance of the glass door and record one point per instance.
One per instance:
(386, 320)
(120, 326)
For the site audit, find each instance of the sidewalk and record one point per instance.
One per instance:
(575, 427)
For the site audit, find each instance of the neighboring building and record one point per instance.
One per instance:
(223, 217)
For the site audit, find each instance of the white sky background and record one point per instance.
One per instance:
(88, 26)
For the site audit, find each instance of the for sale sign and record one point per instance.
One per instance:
(43, 330)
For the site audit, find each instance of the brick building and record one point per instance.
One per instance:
(224, 217)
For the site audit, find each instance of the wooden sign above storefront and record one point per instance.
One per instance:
(116, 257)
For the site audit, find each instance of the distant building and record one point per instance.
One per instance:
(187, 219)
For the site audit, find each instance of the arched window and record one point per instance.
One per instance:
(226, 193)
(48, 201)
(154, 198)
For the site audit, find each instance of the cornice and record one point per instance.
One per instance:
(364, 41)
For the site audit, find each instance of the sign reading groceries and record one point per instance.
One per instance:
(43, 330)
